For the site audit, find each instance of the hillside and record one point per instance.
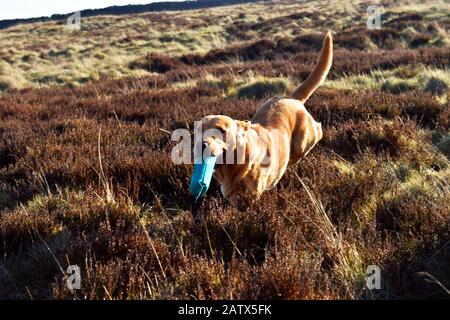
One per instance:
(86, 176)
(45, 54)
(130, 9)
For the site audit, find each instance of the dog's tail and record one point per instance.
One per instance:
(317, 77)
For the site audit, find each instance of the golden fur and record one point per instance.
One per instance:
(281, 132)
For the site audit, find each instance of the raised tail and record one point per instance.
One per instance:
(317, 77)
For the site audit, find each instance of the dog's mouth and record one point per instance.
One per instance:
(206, 150)
(213, 147)
(203, 151)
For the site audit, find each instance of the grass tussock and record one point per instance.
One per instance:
(262, 87)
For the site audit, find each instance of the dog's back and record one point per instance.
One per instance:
(289, 115)
(282, 131)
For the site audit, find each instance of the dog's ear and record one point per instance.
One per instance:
(221, 127)
(305, 136)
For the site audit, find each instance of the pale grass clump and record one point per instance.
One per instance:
(428, 79)
(442, 38)
(259, 87)
(240, 87)
(10, 78)
(184, 84)
(420, 182)
(434, 9)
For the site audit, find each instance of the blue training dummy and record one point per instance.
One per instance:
(200, 181)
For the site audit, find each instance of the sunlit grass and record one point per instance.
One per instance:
(45, 54)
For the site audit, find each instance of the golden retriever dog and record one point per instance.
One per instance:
(256, 153)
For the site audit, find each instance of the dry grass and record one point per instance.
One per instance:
(44, 54)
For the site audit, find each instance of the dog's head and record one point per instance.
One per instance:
(221, 133)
